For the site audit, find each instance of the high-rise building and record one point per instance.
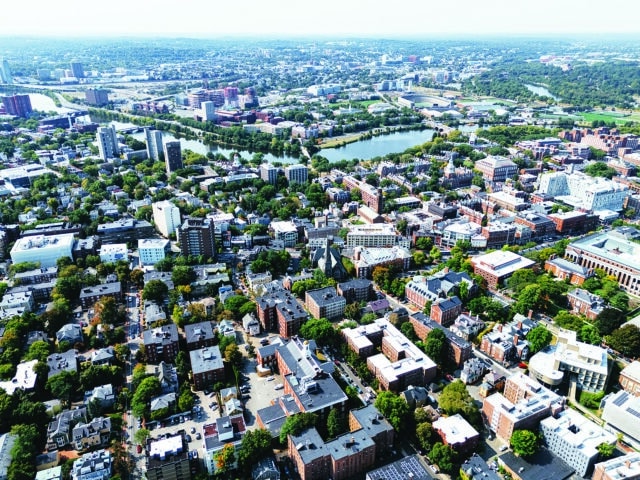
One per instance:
(97, 96)
(107, 139)
(197, 237)
(269, 173)
(154, 143)
(18, 105)
(166, 217)
(172, 156)
(231, 97)
(5, 72)
(297, 173)
(77, 70)
(208, 111)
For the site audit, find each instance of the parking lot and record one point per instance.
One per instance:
(261, 394)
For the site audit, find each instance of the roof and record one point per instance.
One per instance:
(477, 469)
(197, 332)
(102, 289)
(349, 444)
(616, 245)
(371, 420)
(502, 263)
(309, 445)
(543, 465)
(409, 467)
(325, 296)
(632, 371)
(206, 359)
(455, 429)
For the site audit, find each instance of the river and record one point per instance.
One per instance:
(542, 91)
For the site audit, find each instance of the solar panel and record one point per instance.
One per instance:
(621, 399)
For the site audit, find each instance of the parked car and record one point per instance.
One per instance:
(193, 429)
(198, 436)
(278, 386)
(271, 378)
(189, 439)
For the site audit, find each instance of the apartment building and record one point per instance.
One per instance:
(286, 232)
(166, 217)
(168, 458)
(456, 432)
(629, 378)
(626, 467)
(46, 250)
(296, 173)
(226, 430)
(197, 237)
(90, 295)
(280, 311)
(325, 303)
(445, 310)
(161, 343)
(152, 250)
(207, 366)
(356, 290)
(459, 349)
(374, 235)
(370, 420)
(372, 197)
(496, 267)
(93, 466)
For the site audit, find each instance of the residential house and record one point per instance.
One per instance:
(59, 429)
(96, 432)
(92, 466)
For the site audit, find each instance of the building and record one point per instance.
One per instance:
(45, 250)
(90, 295)
(496, 267)
(375, 235)
(573, 222)
(265, 469)
(279, 310)
(507, 343)
(113, 252)
(93, 466)
(496, 168)
(152, 250)
(522, 406)
(5, 72)
(357, 290)
(445, 310)
(197, 237)
(161, 343)
(613, 251)
(566, 270)
(107, 140)
(585, 303)
(629, 378)
(59, 428)
(166, 217)
(297, 173)
(621, 411)
(18, 105)
(456, 432)
(269, 173)
(476, 468)
(226, 430)
(371, 197)
(286, 232)
(473, 370)
(370, 420)
(367, 259)
(154, 144)
(401, 362)
(124, 230)
(92, 434)
(97, 97)
(459, 350)
(7, 440)
(168, 458)
(422, 290)
(199, 335)
(328, 259)
(626, 467)
(77, 71)
(408, 467)
(208, 113)
(575, 439)
(325, 303)
(207, 367)
(583, 191)
(172, 156)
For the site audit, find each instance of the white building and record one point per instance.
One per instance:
(585, 192)
(285, 232)
(208, 111)
(366, 259)
(152, 250)
(618, 468)
(154, 143)
(92, 466)
(43, 249)
(376, 235)
(575, 439)
(107, 140)
(585, 363)
(6, 445)
(297, 173)
(113, 252)
(166, 217)
(622, 412)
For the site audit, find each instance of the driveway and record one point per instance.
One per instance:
(261, 394)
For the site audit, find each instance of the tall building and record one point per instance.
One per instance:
(208, 111)
(18, 105)
(297, 173)
(269, 173)
(172, 156)
(231, 97)
(107, 142)
(166, 217)
(76, 69)
(5, 72)
(97, 96)
(168, 458)
(197, 237)
(154, 143)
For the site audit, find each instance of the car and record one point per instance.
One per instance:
(271, 378)
(189, 439)
(139, 448)
(193, 429)
(213, 406)
(503, 448)
(278, 386)
(198, 436)
(523, 365)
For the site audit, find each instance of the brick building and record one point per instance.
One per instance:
(566, 270)
(161, 343)
(325, 303)
(459, 350)
(445, 310)
(280, 311)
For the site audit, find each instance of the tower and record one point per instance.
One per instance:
(172, 156)
(5, 72)
(154, 143)
(107, 139)
(76, 69)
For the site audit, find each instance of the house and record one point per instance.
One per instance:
(227, 328)
(168, 376)
(102, 395)
(92, 434)
(228, 393)
(250, 324)
(59, 429)
(507, 343)
(265, 469)
(92, 466)
(62, 362)
(415, 396)
(163, 402)
(103, 356)
(456, 432)
(473, 370)
(225, 430)
(71, 332)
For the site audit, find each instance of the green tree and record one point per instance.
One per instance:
(23, 453)
(608, 320)
(538, 338)
(456, 399)
(186, 400)
(156, 291)
(256, 445)
(148, 388)
(141, 435)
(436, 346)
(225, 458)
(606, 450)
(625, 340)
(524, 442)
(233, 355)
(393, 407)
(296, 424)
(424, 433)
(182, 275)
(589, 334)
(444, 456)
(321, 330)
(63, 386)
(336, 423)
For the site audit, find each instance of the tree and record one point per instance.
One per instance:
(23, 453)
(63, 386)
(321, 330)
(530, 298)
(256, 445)
(456, 399)
(225, 458)
(538, 338)
(156, 291)
(336, 423)
(424, 432)
(393, 407)
(141, 435)
(625, 340)
(589, 334)
(606, 450)
(233, 355)
(444, 456)
(148, 388)
(608, 320)
(182, 275)
(524, 442)
(296, 424)
(436, 346)
(408, 331)
(186, 400)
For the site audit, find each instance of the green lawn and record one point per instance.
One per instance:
(619, 118)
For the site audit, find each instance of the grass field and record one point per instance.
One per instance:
(619, 118)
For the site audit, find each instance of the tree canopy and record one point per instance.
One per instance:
(393, 407)
(538, 338)
(456, 399)
(296, 424)
(524, 442)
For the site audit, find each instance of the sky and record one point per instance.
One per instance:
(285, 18)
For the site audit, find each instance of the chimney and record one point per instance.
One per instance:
(500, 327)
(516, 338)
(519, 325)
(530, 314)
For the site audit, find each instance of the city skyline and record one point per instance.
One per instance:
(283, 18)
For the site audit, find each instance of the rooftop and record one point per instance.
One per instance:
(206, 359)
(502, 263)
(408, 467)
(616, 245)
(455, 429)
(577, 431)
(543, 465)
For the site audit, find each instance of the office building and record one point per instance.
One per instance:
(621, 411)
(366, 259)
(208, 111)
(77, 69)
(125, 230)
(630, 378)
(166, 217)
(172, 156)
(296, 173)
(377, 235)
(626, 467)
(269, 173)
(496, 168)
(456, 432)
(231, 99)
(113, 252)
(45, 250)
(152, 250)
(18, 105)
(168, 458)
(107, 139)
(97, 97)
(585, 364)
(5, 72)
(575, 439)
(154, 143)
(325, 303)
(207, 367)
(197, 237)
(496, 267)
(614, 251)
